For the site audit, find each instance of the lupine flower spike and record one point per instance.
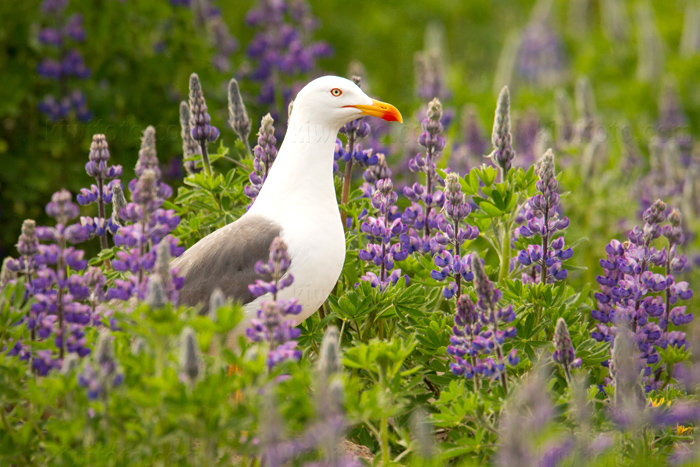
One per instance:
(380, 230)
(144, 224)
(477, 338)
(453, 263)
(274, 322)
(202, 130)
(426, 217)
(190, 148)
(237, 115)
(633, 296)
(63, 61)
(106, 178)
(541, 219)
(503, 152)
(264, 154)
(563, 349)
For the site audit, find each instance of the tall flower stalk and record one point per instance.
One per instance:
(425, 218)
(453, 263)
(56, 286)
(477, 337)
(144, 225)
(634, 296)
(200, 121)
(101, 193)
(264, 154)
(191, 151)
(564, 353)
(238, 116)
(501, 138)
(63, 62)
(381, 229)
(543, 220)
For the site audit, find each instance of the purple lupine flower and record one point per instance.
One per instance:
(477, 340)
(98, 168)
(541, 59)
(501, 138)
(425, 217)
(452, 263)
(564, 353)
(265, 154)
(380, 230)
(274, 323)
(60, 306)
(675, 263)
(542, 220)
(54, 283)
(142, 223)
(202, 130)
(63, 61)
(281, 49)
(633, 295)
(430, 76)
(374, 173)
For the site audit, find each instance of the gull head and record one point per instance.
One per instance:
(335, 101)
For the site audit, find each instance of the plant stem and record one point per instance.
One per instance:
(101, 210)
(248, 150)
(386, 454)
(504, 266)
(205, 157)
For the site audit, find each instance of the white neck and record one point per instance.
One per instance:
(302, 174)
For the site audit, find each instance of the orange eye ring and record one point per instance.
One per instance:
(335, 92)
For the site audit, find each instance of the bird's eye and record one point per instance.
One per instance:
(336, 92)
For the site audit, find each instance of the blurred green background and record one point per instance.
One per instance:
(141, 53)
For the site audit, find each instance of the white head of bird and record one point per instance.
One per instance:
(334, 101)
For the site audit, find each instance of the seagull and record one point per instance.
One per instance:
(297, 202)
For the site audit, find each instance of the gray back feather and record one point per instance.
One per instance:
(226, 259)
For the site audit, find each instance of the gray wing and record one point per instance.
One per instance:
(226, 259)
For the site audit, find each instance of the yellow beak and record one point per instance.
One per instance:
(380, 109)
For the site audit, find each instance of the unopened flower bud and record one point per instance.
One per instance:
(238, 117)
(155, 293)
(189, 355)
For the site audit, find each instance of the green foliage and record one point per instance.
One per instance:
(393, 341)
